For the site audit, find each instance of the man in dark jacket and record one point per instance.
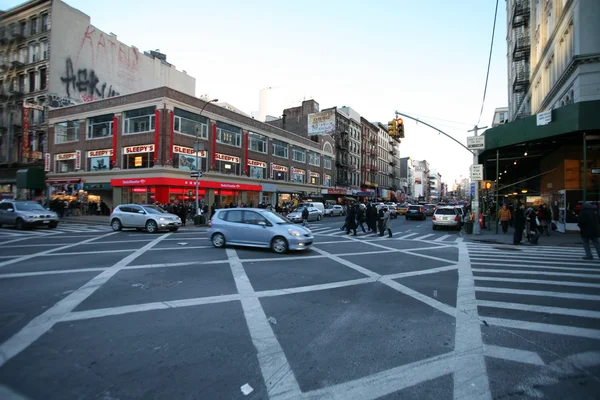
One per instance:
(305, 217)
(519, 224)
(351, 220)
(589, 225)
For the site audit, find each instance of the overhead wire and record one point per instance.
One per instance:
(487, 75)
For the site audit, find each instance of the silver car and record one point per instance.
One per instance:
(26, 214)
(257, 227)
(314, 214)
(142, 216)
(446, 217)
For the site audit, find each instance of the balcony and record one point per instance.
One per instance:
(392, 163)
(521, 49)
(521, 81)
(18, 37)
(17, 64)
(373, 139)
(521, 13)
(393, 152)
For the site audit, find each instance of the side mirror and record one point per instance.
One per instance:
(262, 223)
(141, 212)
(10, 210)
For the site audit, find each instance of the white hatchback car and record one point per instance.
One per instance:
(448, 217)
(333, 210)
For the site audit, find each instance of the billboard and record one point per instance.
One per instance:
(321, 123)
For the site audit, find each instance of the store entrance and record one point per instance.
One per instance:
(139, 198)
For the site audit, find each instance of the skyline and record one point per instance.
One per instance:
(342, 55)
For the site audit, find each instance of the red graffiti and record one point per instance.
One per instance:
(126, 56)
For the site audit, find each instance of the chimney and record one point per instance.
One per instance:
(283, 121)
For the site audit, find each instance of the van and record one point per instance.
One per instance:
(319, 206)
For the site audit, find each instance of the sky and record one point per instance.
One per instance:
(427, 59)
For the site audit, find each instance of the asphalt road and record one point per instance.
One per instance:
(87, 313)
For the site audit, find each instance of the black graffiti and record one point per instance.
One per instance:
(85, 81)
(55, 101)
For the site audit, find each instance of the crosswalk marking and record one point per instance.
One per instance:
(529, 266)
(542, 293)
(547, 273)
(540, 309)
(68, 228)
(537, 281)
(442, 238)
(407, 236)
(424, 236)
(533, 262)
(546, 328)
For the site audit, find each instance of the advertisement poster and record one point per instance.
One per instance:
(561, 226)
(321, 123)
(99, 163)
(187, 163)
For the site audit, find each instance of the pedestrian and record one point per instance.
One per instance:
(351, 221)
(380, 217)
(386, 223)
(372, 219)
(589, 226)
(519, 224)
(534, 227)
(305, 217)
(505, 217)
(182, 211)
(360, 216)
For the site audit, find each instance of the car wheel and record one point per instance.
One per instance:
(116, 225)
(52, 225)
(319, 217)
(151, 226)
(434, 227)
(20, 225)
(279, 245)
(173, 229)
(218, 240)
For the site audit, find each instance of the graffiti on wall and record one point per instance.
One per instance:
(101, 46)
(85, 83)
(57, 101)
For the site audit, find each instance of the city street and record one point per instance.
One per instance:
(91, 313)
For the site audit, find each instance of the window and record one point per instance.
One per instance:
(314, 159)
(99, 127)
(314, 179)
(299, 155)
(327, 162)
(234, 216)
(45, 25)
(23, 30)
(280, 149)
(229, 134)
(253, 218)
(186, 123)
(33, 26)
(298, 176)
(138, 160)
(43, 79)
(21, 83)
(257, 172)
(32, 81)
(44, 49)
(257, 143)
(140, 120)
(33, 53)
(65, 132)
(327, 181)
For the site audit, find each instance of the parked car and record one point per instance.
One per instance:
(415, 212)
(142, 216)
(318, 205)
(333, 210)
(314, 214)
(257, 227)
(401, 208)
(429, 209)
(448, 217)
(26, 214)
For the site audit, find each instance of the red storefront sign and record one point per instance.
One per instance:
(247, 145)
(337, 191)
(171, 135)
(113, 157)
(25, 139)
(156, 130)
(183, 182)
(139, 189)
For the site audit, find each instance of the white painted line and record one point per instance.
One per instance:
(547, 273)
(470, 374)
(541, 293)
(386, 382)
(424, 236)
(177, 264)
(276, 371)
(42, 323)
(422, 272)
(545, 328)
(533, 262)
(538, 281)
(17, 246)
(508, 354)
(281, 259)
(9, 257)
(180, 248)
(105, 312)
(50, 251)
(529, 267)
(442, 238)
(442, 307)
(542, 309)
(529, 250)
(187, 238)
(459, 240)
(52, 272)
(407, 236)
(313, 288)
(7, 393)
(82, 253)
(515, 256)
(6, 233)
(5, 242)
(338, 259)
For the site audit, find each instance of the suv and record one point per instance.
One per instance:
(446, 217)
(416, 212)
(26, 214)
(143, 216)
(429, 209)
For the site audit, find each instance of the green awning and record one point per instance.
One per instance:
(577, 117)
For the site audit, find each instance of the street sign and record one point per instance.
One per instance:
(34, 106)
(472, 189)
(544, 118)
(476, 142)
(477, 172)
(196, 174)
(595, 171)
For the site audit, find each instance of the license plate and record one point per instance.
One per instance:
(46, 222)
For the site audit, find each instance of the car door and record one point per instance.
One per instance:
(313, 213)
(257, 229)
(138, 220)
(235, 229)
(4, 218)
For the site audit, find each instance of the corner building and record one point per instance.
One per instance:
(140, 148)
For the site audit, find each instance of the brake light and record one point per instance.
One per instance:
(456, 218)
(433, 218)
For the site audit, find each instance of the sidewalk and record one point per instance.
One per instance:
(104, 220)
(555, 238)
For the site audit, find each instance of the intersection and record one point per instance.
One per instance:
(132, 315)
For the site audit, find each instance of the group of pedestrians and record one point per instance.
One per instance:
(534, 223)
(377, 218)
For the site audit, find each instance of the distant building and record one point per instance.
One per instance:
(422, 190)
(407, 177)
(500, 116)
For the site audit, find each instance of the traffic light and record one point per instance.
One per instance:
(487, 185)
(400, 128)
(392, 128)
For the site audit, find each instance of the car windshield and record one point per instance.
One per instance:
(328, 207)
(154, 210)
(444, 211)
(277, 218)
(414, 208)
(29, 207)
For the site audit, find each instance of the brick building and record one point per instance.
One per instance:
(140, 148)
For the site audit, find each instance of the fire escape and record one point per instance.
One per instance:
(342, 145)
(521, 56)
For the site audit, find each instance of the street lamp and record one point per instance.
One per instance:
(198, 149)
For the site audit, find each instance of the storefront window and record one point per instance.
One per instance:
(280, 149)
(314, 179)
(98, 163)
(280, 175)
(229, 134)
(299, 155)
(327, 162)
(188, 163)
(298, 177)
(140, 120)
(227, 167)
(65, 132)
(100, 126)
(257, 143)
(327, 181)
(314, 159)
(63, 166)
(257, 172)
(138, 160)
(186, 123)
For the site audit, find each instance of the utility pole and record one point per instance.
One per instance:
(475, 205)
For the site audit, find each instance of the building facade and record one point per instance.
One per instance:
(369, 147)
(354, 146)
(435, 185)
(422, 189)
(51, 56)
(140, 148)
(407, 178)
(500, 116)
